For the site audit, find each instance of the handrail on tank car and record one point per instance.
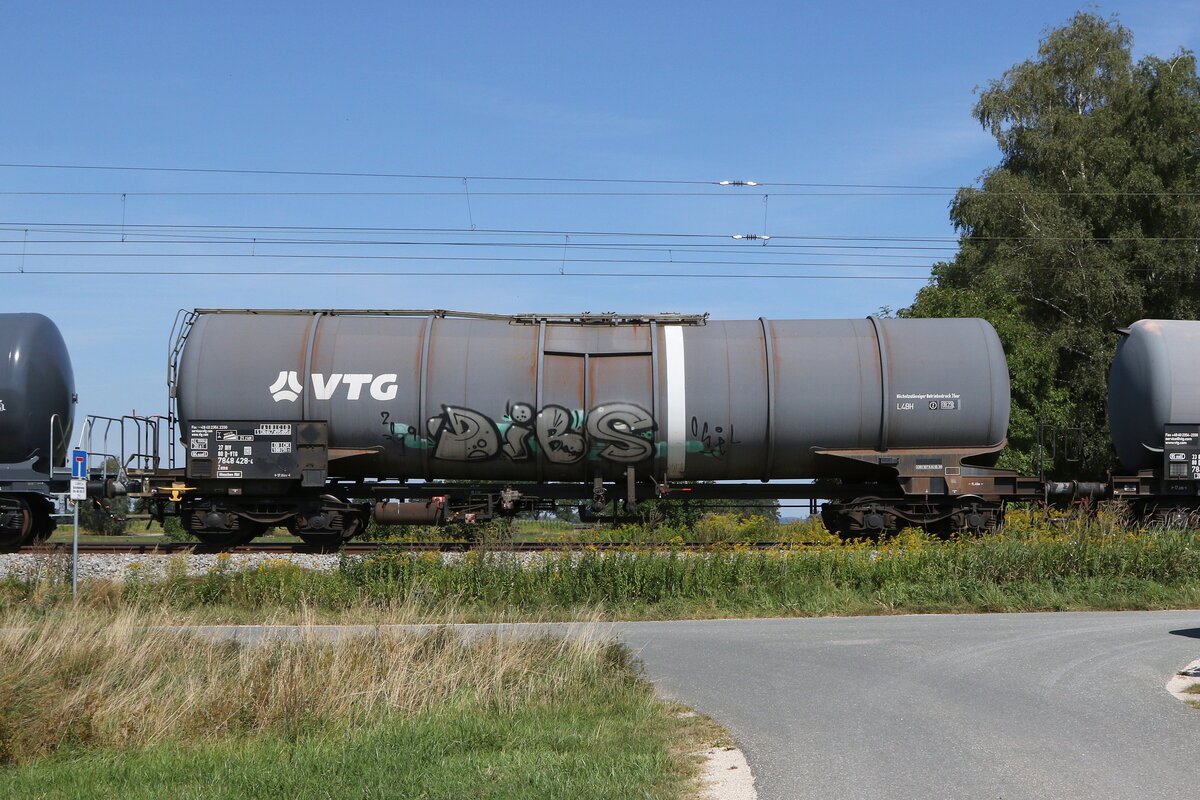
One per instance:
(86, 442)
(606, 318)
(1047, 447)
(184, 319)
(145, 443)
(63, 434)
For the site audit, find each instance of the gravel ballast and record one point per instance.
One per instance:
(119, 566)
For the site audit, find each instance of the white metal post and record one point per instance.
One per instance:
(75, 554)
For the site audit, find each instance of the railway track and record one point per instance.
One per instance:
(169, 548)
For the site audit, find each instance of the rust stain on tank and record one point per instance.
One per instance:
(302, 344)
(416, 376)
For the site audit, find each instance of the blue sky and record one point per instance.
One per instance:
(846, 93)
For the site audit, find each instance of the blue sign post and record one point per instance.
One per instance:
(79, 474)
(79, 463)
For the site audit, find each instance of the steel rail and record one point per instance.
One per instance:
(353, 548)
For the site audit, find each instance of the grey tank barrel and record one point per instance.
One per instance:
(529, 398)
(1154, 381)
(37, 391)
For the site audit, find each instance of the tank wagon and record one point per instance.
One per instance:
(37, 401)
(1154, 416)
(319, 420)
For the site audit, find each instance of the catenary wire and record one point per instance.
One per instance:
(116, 226)
(626, 275)
(162, 235)
(858, 192)
(715, 248)
(484, 259)
(556, 274)
(519, 260)
(466, 275)
(899, 190)
(417, 176)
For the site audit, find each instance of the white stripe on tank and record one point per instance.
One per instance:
(676, 400)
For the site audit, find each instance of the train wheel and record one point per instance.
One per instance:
(352, 525)
(875, 518)
(233, 532)
(331, 523)
(861, 518)
(43, 524)
(17, 522)
(976, 519)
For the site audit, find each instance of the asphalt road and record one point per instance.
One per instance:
(979, 706)
(1013, 706)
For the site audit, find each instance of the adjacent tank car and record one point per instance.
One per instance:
(294, 417)
(37, 401)
(1154, 416)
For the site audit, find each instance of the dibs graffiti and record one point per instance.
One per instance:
(619, 432)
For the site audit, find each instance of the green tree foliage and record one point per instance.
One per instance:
(109, 516)
(1090, 221)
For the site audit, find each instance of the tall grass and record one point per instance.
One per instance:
(95, 705)
(83, 681)
(1014, 571)
(713, 528)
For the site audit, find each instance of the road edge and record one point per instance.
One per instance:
(726, 775)
(1187, 677)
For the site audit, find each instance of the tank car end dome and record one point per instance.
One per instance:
(37, 389)
(1154, 381)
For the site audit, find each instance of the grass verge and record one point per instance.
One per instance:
(1082, 568)
(119, 708)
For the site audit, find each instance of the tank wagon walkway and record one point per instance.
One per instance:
(1062, 705)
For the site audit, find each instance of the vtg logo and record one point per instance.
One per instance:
(381, 387)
